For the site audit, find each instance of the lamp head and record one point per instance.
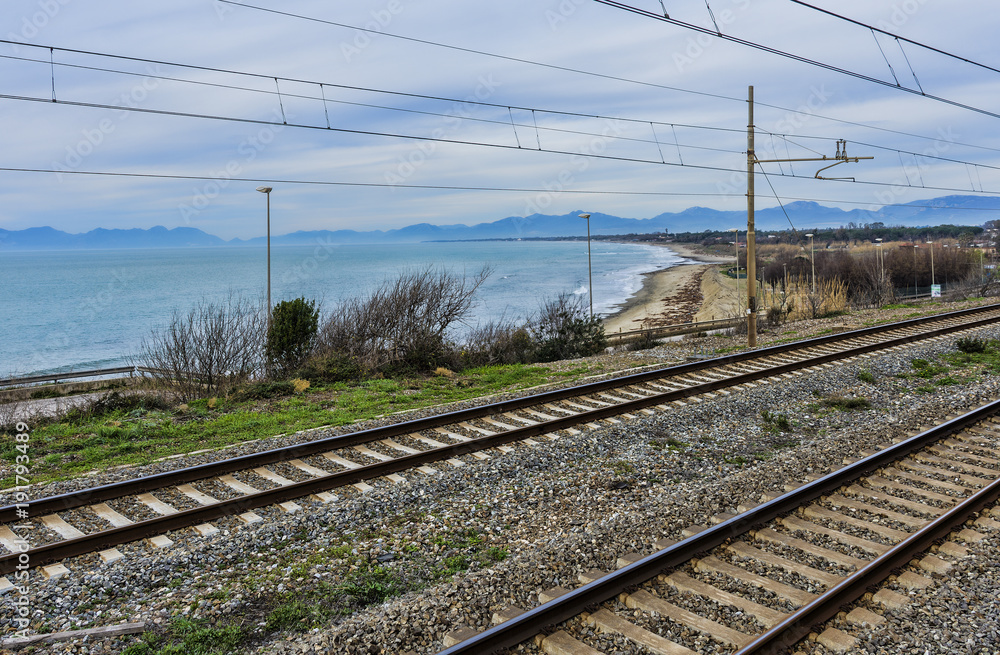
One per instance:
(264, 189)
(587, 216)
(809, 235)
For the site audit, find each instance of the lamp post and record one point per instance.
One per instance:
(812, 260)
(590, 268)
(932, 261)
(739, 305)
(881, 263)
(266, 190)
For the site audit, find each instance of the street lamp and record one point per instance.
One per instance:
(739, 302)
(881, 261)
(812, 261)
(266, 190)
(590, 268)
(932, 263)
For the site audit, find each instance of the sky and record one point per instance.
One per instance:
(351, 111)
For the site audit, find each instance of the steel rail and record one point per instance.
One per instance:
(68, 548)
(71, 500)
(83, 497)
(800, 623)
(537, 620)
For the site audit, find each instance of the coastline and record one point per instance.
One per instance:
(683, 293)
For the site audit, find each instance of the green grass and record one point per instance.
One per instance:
(775, 422)
(188, 637)
(87, 441)
(846, 404)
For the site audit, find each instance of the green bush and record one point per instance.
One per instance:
(970, 345)
(118, 401)
(264, 390)
(497, 343)
(291, 333)
(331, 367)
(563, 330)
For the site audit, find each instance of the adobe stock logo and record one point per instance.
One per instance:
(37, 21)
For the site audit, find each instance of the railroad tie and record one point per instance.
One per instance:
(802, 525)
(793, 595)
(919, 508)
(770, 536)
(195, 495)
(607, 621)
(647, 602)
(104, 511)
(839, 501)
(683, 582)
(880, 482)
(743, 549)
(968, 482)
(349, 465)
(55, 523)
(9, 539)
(320, 496)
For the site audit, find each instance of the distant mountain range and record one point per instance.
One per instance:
(953, 210)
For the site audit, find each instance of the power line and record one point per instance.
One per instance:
(268, 180)
(254, 121)
(600, 75)
(322, 98)
(344, 130)
(792, 56)
(897, 37)
(444, 187)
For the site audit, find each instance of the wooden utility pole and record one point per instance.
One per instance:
(751, 239)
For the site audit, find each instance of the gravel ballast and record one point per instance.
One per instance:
(475, 539)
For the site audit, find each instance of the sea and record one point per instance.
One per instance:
(64, 311)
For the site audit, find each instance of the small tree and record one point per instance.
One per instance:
(291, 334)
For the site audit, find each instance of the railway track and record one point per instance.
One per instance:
(761, 581)
(153, 506)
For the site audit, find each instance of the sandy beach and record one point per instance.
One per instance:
(688, 292)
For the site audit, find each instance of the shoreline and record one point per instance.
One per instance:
(682, 293)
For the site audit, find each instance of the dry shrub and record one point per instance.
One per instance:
(300, 385)
(209, 351)
(403, 325)
(495, 343)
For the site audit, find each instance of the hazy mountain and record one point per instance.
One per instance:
(47, 238)
(803, 215)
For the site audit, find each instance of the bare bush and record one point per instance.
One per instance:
(12, 410)
(209, 351)
(497, 342)
(403, 324)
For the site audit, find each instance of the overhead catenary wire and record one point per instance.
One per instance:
(344, 130)
(155, 62)
(799, 58)
(780, 204)
(897, 36)
(323, 99)
(443, 187)
(388, 34)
